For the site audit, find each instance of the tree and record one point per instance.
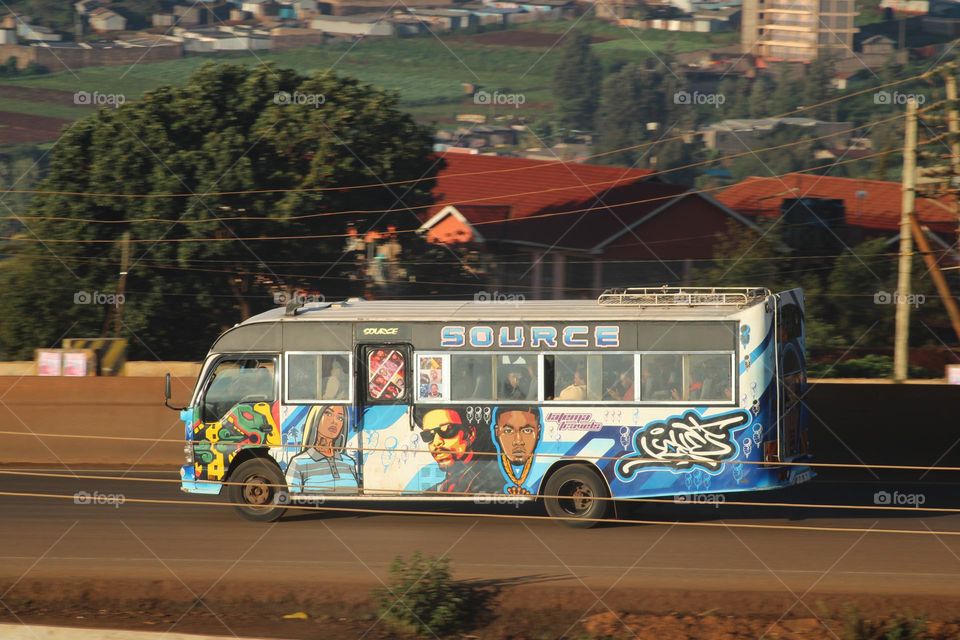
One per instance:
(261, 148)
(576, 82)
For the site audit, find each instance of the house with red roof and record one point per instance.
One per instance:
(565, 229)
(870, 208)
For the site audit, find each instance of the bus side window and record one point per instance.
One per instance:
(662, 376)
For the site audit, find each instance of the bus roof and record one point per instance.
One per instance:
(624, 305)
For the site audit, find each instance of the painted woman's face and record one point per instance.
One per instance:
(331, 422)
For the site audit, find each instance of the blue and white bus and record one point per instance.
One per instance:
(644, 392)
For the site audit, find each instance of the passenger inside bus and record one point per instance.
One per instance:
(576, 390)
(335, 387)
(662, 377)
(622, 388)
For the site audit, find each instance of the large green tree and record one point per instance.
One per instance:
(260, 148)
(576, 82)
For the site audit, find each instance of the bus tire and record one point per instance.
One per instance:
(260, 493)
(577, 494)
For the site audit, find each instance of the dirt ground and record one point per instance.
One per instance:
(512, 613)
(21, 128)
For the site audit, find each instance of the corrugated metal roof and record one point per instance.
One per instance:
(487, 311)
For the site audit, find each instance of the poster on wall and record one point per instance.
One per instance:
(48, 363)
(75, 363)
(953, 374)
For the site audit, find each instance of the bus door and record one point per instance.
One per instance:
(791, 370)
(385, 403)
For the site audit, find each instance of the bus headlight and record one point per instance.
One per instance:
(188, 452)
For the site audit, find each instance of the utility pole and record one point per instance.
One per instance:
(122, 284)
(902, 336)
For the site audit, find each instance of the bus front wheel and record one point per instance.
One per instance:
(577, 495)
(258, 490)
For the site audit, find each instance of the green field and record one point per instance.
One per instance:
(427, 73)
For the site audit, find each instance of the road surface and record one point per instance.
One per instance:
(58, 551)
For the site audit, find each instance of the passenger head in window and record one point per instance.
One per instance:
(576, 390)
(336, 385)
(622, 388)
(513, 386)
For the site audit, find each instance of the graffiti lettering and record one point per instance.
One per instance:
(686, 442)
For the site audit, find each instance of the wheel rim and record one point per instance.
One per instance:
(576, 498)
(257, 491)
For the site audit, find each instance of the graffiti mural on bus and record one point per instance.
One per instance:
(459, 442)
(516, 433)
(685, 442)
(244, 425)
(322, 466)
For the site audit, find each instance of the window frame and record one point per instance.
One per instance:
(543, 356)
(200, 396)
(638, 363)
(350, 377)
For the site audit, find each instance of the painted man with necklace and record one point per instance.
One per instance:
(516, 432)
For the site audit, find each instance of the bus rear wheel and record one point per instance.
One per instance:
(578, 495)
(258, 491)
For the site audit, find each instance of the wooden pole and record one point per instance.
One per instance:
(902, 294)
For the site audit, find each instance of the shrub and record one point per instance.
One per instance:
(897, 627)
(422, 598)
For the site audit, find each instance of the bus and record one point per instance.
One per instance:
(641, 393)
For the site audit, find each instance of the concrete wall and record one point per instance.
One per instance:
(850, 422)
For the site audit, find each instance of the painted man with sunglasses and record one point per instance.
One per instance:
(453, 447)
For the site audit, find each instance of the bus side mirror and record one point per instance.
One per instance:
(167, 394)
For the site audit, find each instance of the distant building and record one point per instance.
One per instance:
(362, 24)
(798, 29)
(37, 33)
(553, 227)
(104, 20)
(741, 134)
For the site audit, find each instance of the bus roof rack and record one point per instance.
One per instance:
(682, 296)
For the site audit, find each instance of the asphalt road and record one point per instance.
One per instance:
(59, 542)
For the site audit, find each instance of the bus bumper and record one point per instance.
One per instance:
(189, 483)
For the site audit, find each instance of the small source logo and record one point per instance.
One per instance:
(96, 297)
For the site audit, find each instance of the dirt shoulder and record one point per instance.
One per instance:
(511, 611)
